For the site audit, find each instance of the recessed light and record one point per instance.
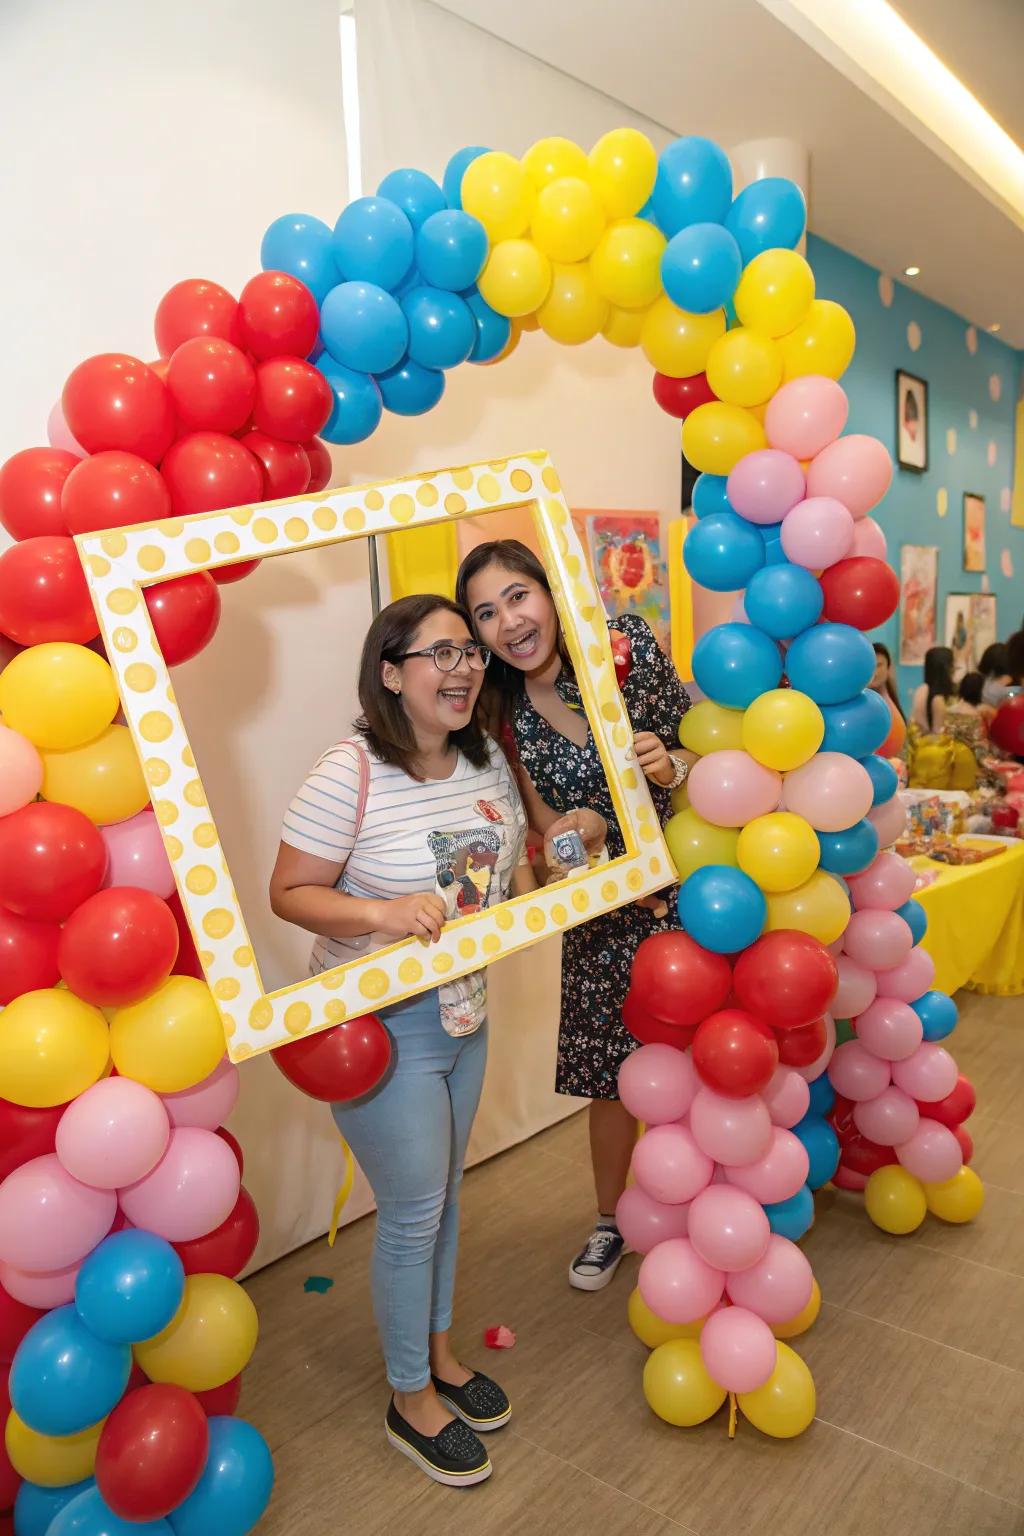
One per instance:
(995, 327)
(911, 271)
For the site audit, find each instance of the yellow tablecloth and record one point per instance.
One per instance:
(976, 923)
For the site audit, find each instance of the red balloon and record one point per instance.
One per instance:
(118, 946)
(800, 1046)
(848, 1178)
(293, 399)
(206, 471)
(320, 464)
(30, 490)
(286, 469)
(152, 1451)
(26, 1133)
(116, 401)
(185, 612)
(678, 980)
(10, 1481)
(277, 316)
(188, 962)
(734, 1054)
(649, 1029)
(861, 591)
(1007, 727)
(963, 1136)
(212, 385)
(232, 1141)
(221, 1400)
(28, 956)
(841, 1116)
(228, 1248)
(15, 1321)
(864, 1156)
(343, 1062)
(43, 595)
(51, 859)
(785, 978)
(681, 396)
(956, 1107)
(195, 307)
(112, 490)
(224, 575)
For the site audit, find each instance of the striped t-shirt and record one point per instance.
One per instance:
(461, 837)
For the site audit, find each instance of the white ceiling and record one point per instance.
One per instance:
(728, 69)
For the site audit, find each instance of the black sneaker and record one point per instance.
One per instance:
(594, 1267)
(480, 1403)
(455, 1457)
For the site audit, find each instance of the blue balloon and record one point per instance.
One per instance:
(733, 663)
(709, 495)
(793, 1217)
(417, 194)
(693, 184)
(721, 908)
(781, 599)
(492, 330)
(451, 249)
(129, 1287)
(451, 182)
(937, 1013)
(774, 554)
(700, 268)
(915, 917)
(884, 778)
(303, 246)
(856, 726)
(90, 1515)
(373, 241)
(35, 1506)
(647, 212)
(823, 1096)
(64, 1378)
(768, 213)
(822, 1146)
(357, 403)
(442, 331)
(830, 663)
(235, 1487)
(363, 327)
(409, 389)
(411, 280)
(723, 551)
(849, 851)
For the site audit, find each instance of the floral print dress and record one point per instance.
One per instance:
(597, 956)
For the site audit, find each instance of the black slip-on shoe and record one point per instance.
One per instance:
(480, 1403)
(455, 1457)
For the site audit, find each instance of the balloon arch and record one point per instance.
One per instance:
(790, 1033)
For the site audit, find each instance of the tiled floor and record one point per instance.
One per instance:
(918, 1358)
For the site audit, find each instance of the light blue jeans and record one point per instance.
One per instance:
(409, 1137)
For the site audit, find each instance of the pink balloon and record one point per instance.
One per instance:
(888, 1028)
(730, 788)
(732, 1131)
(48, 1220)
(856, 989)
(192, 1189)
(805, 415)
(137, 855)
(817, 533)
(644, 1223)
(907, 981)
(676, 1283)
(669, 1165)
(21, 771)
(932, 1153)
(778, 1174)
(207, 1104)
(888, 1119)
(764, 485)
(889, 820)
(831, 791)
(820, 1063)
(778, 1286)
(878, 938)
(856, 1073)
(929, 1075)
(887, 882)
(738, 1348)
(45, 1289)
(113, 1133)
(857, 470)
(657, 1084)
(849, 1178)
(59, 433)
(869, 540)
(787, 1096)
(728, 1227)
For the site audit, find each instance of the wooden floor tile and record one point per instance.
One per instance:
(998, 1150)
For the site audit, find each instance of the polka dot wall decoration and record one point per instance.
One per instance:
(971, 339)
(995, 386)
(886, 289)
(914, 337)
(951, 441)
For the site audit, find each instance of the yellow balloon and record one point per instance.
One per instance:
(651, 1329)
(58, 694)
(784, 1406)
(819, 907)
(823, 342)
(497, 191)
(627, 263)
(677, 1385)
(803, 1320)
(623, 326)
(717, 435)
(170, 1040)
(549, 159)
(103, 779)
(51, 1461)
(783, 728)
(573, 311)
(52, 1048)
(744, 367)
(775, 292)
(710, 727)
(527, 322)
(679, 799)
(895, 1200)
(676, 342)
(567, 219)
(516, 279)
(779, 851)
(209, 1339)
(694, 842)
(623, 165)
(957, 1200)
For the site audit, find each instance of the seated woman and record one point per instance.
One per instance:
(928, 709)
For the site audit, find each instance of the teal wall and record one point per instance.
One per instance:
(972, 401)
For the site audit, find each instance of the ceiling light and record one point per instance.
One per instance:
(995, 327)
(912, 271)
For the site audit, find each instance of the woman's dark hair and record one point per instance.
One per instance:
(890, 681)
(993, 661)
(384, 722)
(938, 675)
(971, 685)
(1015, 656)
(504, 683)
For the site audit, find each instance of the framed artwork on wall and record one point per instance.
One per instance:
(970, 627)
(974, 531)
(629, 566)
(919, 570)
(911, 421)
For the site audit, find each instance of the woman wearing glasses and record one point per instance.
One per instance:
(414, 820)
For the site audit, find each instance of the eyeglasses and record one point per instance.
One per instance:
(447, 657)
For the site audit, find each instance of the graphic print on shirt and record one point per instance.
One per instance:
(466, 862)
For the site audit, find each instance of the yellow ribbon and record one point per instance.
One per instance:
(344, 1190)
